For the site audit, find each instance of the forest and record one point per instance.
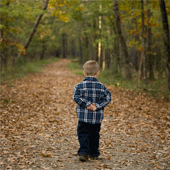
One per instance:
(44, 44)
(129, 38)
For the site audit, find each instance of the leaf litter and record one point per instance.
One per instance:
(38, 126)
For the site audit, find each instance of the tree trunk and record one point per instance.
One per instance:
(64, 44)
(80, 44)
(134, 51)
(141, 68)
(143, 54)
(95, 37)
(90, 49)
(86, 47)
(99, 44)
(104, 58)
(3, 54)
(115, 54)
(73, 48)
(43, 50)
(108, 58)
(35, 27)
(101, 58)
(122, 40)
(96, 53)
(33, 30)
(166, 39)
(150, 56)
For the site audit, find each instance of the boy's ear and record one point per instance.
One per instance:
(97, 74)
(84, 74)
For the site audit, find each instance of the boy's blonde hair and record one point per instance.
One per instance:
(91, 68)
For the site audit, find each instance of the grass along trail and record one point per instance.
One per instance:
(38, 126)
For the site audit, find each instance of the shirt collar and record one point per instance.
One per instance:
(90, 79)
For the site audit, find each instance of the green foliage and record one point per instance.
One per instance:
(20, 61)
(75, 68)
(18, 17)
(76, 12)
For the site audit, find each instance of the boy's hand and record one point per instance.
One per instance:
(89, 107)
(92, 107)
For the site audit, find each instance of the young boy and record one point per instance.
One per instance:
(91, 97)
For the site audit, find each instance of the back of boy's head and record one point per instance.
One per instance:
(91, 68)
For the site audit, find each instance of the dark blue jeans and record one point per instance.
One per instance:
(88, 136)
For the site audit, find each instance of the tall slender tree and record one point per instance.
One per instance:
(166, 39)
(142, 69)
(122, 40)
(149, 50)
(3, 54)
(80, 43)
(64, 43)
(35, 27)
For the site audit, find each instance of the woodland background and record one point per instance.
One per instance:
(129, 39)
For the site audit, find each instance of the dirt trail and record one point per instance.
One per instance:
(38, 126)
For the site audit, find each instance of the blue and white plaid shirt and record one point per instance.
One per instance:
(89, 91)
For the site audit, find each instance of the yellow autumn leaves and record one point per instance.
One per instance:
(60, 8)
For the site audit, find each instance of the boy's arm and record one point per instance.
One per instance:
(105, 101)
(79, 100)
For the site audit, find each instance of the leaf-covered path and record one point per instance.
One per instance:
(38, 126)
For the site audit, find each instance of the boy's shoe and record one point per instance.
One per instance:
(93, 157)
(83, 157)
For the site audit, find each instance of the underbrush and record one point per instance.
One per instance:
(156, 88)
(75, 67)
(22, 68)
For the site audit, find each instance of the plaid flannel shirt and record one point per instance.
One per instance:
(89, 91)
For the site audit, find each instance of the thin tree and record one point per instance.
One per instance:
(166, 39)
(3, 53)
(99, 44)
(142, 67)
(150, 56)
(64, 43)
(34, 28)
(80, 43)
(122, 40)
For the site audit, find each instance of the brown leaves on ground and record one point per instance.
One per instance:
(38, 126)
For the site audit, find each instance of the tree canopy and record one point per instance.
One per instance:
(87, 29)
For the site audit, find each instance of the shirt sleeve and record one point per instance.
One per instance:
(78, 99)
(105, 100)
